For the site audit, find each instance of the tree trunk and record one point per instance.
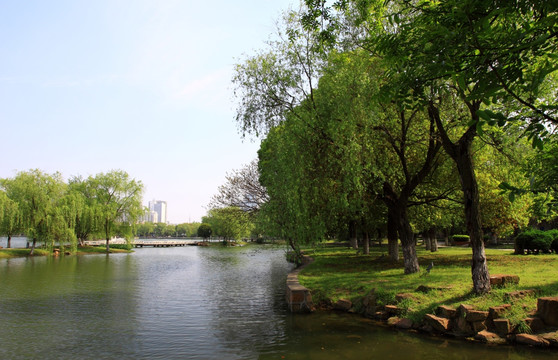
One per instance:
(366, 244)
(407, 242)
(32, 247)
(426, 240)
(297, 252)
(393, 245)
(107, 245)
(479, 267)
(353, 234)
(433, 240)
(9, 244)
(493, 238)
(460, 152)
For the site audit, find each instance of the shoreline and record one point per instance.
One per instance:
(489, 326)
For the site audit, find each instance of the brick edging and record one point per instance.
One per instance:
(298, 297)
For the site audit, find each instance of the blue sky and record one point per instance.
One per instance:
(138, 85)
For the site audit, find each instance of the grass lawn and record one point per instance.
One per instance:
(340, 273)
(84, 250)
(12, 253)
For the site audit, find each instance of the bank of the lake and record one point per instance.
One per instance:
(373, 286)
(85, 250)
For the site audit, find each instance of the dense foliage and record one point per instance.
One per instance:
(47, 210)
(394, 118)
(536, 241)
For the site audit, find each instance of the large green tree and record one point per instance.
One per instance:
(482, 52)
(485, 53)
(86, 222)
(118, 202)
(230, 223)
(37, 194)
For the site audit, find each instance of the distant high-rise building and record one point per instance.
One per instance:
(158, 211)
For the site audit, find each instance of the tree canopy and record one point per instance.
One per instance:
(370, 109)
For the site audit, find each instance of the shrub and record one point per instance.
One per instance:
(533, 241)
(121, 246)
(460, 238)
(554, 244)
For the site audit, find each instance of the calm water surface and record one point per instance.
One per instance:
(189, 303)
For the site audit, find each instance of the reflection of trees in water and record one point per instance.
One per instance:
(245, 290)
(69, 307)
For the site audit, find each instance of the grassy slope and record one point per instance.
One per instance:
(12, 253)
(340, 273)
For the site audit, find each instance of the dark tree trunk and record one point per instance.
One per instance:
(493, 238)
(366, 244)
(393, 244)
(353, 234)
(461, 154)
(9, 244)
(433, 240)
(297, 252)
(446, 237)
(407, 242)
(397, 211)
(479, 267)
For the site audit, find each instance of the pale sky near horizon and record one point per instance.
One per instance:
(137, 85)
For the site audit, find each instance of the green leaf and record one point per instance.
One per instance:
(483, 114)
(480, 130)
(461, 82)
(512, 196)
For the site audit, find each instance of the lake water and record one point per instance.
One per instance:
(190, 303)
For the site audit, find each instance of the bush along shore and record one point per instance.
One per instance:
(6, 253)
(522, 307)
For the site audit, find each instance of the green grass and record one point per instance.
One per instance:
(102, 249)
(340, 273)
(12, 253)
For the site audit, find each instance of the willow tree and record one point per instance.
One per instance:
(289, 209)
(10, 222)
(37, 195)
(82, 194)
(118, 202)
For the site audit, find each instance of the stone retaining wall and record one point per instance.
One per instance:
(299, 298)
(465, 321)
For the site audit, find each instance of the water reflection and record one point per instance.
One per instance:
(189, 303)
(54, 308)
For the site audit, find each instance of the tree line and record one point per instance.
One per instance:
(50, 211)
(402, 117)
(159, 230)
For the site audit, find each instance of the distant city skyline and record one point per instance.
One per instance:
(156, 212)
